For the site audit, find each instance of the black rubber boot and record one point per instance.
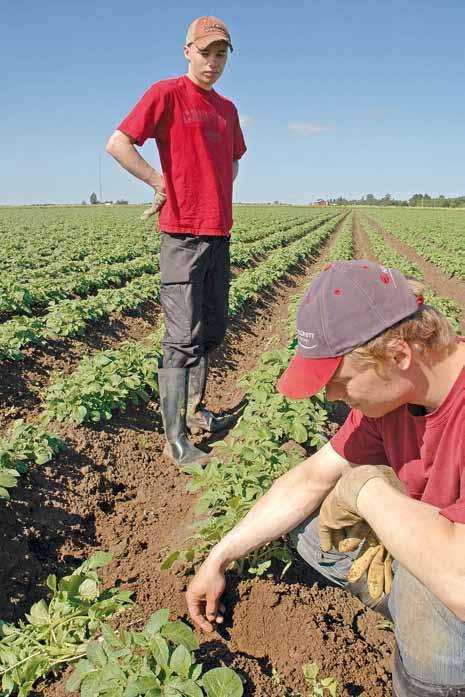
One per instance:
(198, 418)
(172, 384)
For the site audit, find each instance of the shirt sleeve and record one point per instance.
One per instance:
(360, 441)
(239, 142)
(142, 122)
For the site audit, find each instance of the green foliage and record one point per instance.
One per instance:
(23, 444)
(104, 383)
(57, 632)
(262, 447)
(320, 687)
(158, 660)
(387, 255)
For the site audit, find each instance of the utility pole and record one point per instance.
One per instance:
(100, 178)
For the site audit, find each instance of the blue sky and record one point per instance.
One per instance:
(337, 97)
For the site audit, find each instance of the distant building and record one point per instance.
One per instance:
(320, 202)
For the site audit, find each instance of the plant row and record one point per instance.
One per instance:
(107, 380)
(72, 629)
(445, 248)
(22, 445)
(71, 317)
(390, 257)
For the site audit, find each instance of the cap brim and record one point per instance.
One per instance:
(305, 377)
(207, 40)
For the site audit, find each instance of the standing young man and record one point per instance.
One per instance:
(200, 142)
(393, 475)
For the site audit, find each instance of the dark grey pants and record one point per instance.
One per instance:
(195, 275)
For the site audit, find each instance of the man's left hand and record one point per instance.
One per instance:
(342, 527)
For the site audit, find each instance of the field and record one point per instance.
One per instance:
(81, 465)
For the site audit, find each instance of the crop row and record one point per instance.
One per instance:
(390, 257)
(20, 292)
(71, 317)
(22, 445)
(105, 381)
(445, 248)
(72, 629)
(343, 247)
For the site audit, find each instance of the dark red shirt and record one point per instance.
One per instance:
(426, 452)
(198, 136)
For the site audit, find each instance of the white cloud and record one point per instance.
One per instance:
(245, 119)
(309, 129)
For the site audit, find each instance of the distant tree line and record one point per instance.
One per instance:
(417, 200)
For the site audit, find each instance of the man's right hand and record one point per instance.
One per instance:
(203, 596)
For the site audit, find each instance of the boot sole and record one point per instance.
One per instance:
(198, 461)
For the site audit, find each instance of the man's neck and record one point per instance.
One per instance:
(193, 79)
(440, 373)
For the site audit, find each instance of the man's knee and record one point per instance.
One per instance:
(418, 615)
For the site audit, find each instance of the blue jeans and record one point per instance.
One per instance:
(430, 638)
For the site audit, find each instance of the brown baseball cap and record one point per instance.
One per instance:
(205, 30)
(346, 305)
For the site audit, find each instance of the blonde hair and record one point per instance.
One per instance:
(427, 328)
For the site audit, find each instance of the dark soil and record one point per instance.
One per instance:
(111, 488)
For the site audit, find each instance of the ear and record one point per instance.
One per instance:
(399, 354)
(187, 51)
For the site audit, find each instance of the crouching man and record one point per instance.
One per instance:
(366, 335)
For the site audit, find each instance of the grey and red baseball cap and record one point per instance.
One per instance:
(346, 305)
(203, 31)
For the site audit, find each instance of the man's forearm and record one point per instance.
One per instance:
(291, 499)
(426, 543)
(122, 149)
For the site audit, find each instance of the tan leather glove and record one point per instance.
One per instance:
(158, 201)
(343, 528)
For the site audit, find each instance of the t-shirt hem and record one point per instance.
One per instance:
(177, 229)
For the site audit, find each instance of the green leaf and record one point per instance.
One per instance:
(99, 559)
(38, 614)
(52, 582)
(82, 669)
(311, 671)
(96, 654)
(187, 688)
(180, 633)
(169, 561)
(181, 661)
(89, 590)
(160, 650)
(222, 682)
(299, 433)
(157, 621)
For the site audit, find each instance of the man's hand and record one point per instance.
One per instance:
(203, 596)
(343, 528)
(158, 201)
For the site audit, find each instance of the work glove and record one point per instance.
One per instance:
(342, 527)
(158, 201)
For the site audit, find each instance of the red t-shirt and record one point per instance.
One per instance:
(426, 452)
(198, 137)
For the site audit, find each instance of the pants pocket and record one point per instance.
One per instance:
(177, 313)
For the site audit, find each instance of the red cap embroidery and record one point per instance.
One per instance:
(337, 291)
(385, 278)
(420, 300)
(326, 267)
